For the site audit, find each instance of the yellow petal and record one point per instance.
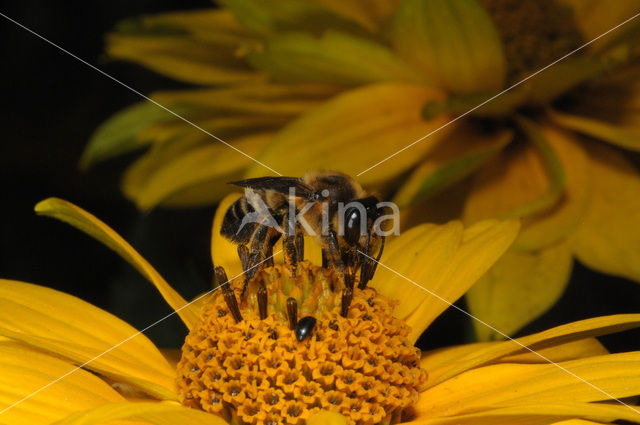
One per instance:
(519, 183)
(608, 238)
(268, 17)
(335, 58)
(569, 74)
(554, 224)
(482, 245)
(225, 253)
(451, 262)
(211, 24)
(368, 13)
(439, 208)
(420, 254)
(71, 328)
(286, 100)
(455, 43)
(517, 289)
(595, 17)
(451, 160)
(441, 359)
(540, 414)
(552, 337)
(624, 136)
(164, 413)
(89, 224)
(182, 57)
(579, 349)
(325, 417)
(356, 129)
(32, 393)
(501, 385)
(157, 177)
(516, 177)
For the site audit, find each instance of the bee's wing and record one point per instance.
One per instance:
(277, 184)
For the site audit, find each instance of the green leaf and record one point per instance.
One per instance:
(454, 42)
(452, 160)
(117, 135)
(336, 57)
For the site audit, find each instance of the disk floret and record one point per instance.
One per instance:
(259, 370)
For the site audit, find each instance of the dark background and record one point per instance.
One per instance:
(51, 103)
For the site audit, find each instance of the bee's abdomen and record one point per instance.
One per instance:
(232, 227)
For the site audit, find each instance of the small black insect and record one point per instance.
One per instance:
(305, 327)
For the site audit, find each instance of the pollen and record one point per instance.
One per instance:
(303, 355)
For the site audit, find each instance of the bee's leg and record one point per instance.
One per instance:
(300, 246)
(268, 256)
(260, 247)
(332, 250)
(351, 261)
(288, 244)
(369, 265)
(243, 255)
(325, 259)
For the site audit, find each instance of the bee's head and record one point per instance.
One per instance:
(358, 220)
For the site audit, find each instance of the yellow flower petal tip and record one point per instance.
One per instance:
(326, 418)
(82, 220)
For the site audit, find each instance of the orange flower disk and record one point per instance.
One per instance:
(361, 365)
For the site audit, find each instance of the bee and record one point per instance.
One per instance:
(330, 206)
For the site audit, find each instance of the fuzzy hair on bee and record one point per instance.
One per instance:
(330, 206)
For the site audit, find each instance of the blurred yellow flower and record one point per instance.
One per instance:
(124, 377)
(347, 84)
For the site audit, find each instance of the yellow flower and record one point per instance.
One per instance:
(64, 361)
(348, 85)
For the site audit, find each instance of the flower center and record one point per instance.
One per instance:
(534, 33)
(298, 344)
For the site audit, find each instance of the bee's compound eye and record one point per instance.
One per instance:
(352, 225)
